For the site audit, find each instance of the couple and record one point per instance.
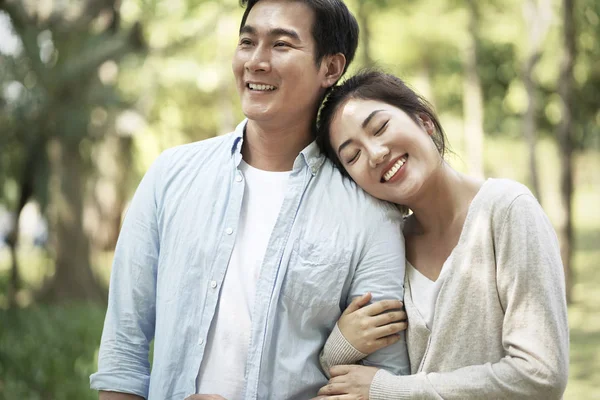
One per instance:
(238, 254)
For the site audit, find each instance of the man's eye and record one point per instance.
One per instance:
(281, 44)
(245, 42)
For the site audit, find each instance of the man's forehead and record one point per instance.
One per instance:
(279, 17)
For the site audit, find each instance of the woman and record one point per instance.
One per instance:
(484, 289)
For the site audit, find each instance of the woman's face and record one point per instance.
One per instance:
(383, 149)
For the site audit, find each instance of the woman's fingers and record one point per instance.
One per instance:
(388, 318)
(387, 340)
(381, 306)
(338, 370)
(358, 303)
(332, 388)
(390, 329)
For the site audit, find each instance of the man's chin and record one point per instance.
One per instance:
(257, 114)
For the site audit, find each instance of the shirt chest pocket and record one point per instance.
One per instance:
(315, 274)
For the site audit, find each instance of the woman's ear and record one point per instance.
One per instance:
(426, 123)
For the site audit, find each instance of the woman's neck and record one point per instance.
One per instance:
(443, 202)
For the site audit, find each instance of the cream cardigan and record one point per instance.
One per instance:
(500, 326)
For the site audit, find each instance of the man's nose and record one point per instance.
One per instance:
(258, 61)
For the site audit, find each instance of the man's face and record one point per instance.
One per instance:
(274, 65)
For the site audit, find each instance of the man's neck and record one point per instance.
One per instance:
(274, 149)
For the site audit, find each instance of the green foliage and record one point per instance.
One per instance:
(49, 352)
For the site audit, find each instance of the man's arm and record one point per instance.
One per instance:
(102, 395)
(130, 319)
(380, 271)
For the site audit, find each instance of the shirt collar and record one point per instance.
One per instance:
(310, 156)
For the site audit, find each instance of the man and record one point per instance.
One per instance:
(238, 253)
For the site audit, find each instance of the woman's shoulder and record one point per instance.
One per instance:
(499, 194)
(497, 197)
(506, 199)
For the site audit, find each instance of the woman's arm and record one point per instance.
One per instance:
(361, 330)
(531, 288)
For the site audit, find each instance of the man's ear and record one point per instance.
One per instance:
(334, 68)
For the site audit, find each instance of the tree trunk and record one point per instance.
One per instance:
(15, 282)
(423, 82)
(530, 123)
(473, 98)
(565, 131)
(112, 163)
(537, 20)
(73, 278)
(365, 33)
(25, 193)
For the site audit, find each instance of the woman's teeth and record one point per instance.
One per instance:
(254, 86)
(388, 175)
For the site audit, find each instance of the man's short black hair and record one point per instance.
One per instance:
(335, 29)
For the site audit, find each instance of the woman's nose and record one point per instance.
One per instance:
(378, 155)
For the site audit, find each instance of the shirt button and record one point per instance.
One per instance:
(238, 178)
(229, 231)
(213, 284)
(314, 170)
(201, 341)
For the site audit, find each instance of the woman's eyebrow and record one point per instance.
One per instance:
(343, 145)
(369, 118)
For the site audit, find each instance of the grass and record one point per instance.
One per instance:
(48, 352)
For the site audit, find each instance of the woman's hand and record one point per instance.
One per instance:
(370, 328)
(349, 382)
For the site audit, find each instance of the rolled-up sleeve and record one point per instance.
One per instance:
(123, 364)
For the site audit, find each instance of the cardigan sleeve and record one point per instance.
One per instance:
(338, 351)
(531, 289)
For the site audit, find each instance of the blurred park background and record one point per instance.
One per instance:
(91, 91)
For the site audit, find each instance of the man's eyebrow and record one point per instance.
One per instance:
(248, 29)
(343, 145)
(284, 32)
(369, 118)
(273, 32)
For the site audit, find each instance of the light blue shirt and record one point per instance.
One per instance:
(331, 242)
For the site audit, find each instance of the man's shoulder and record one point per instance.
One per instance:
(206, 147)
(196, 154)
(347, 197)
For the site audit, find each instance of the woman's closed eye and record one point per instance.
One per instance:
(354, 158)
(381, 128)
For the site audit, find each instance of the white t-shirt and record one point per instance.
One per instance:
(424, 292)
(224, 365)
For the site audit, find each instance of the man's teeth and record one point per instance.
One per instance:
(254, 86)
(388, 175)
